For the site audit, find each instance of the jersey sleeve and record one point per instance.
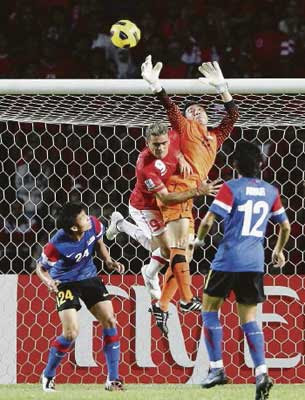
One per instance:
(98, 227)
(152, 181)
(278, 213)
(226, 126)
(222, 205)
(49, 256)
(176, 119)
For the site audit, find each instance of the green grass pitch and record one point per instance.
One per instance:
(149, 392)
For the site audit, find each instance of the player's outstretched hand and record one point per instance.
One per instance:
(209, 188)
(213, 76)
(151, 74)
(52, 285)
(115, 266)
(278, 258)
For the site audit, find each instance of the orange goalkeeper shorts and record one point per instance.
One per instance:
(182, 210)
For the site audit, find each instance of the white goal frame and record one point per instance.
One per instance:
(138, 86)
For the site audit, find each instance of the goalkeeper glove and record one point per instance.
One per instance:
(151, 74)
(213, 76)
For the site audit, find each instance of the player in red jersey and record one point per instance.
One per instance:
(199, 147)
(156, 163)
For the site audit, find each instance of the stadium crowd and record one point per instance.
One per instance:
(70, 38)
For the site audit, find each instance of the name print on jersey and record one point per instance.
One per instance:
(255, 191)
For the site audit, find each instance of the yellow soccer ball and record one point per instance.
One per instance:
(125, 34)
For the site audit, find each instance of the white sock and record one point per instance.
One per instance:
(157, 262)
(216, 364)
(135, 232)
(261, 369)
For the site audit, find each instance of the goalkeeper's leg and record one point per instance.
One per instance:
(179, 232)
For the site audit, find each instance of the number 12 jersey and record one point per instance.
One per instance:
(246, 204)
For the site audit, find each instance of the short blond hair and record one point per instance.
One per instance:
(156, 129)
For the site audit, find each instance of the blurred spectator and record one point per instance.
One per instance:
(270, 46)
(99, 67)
(174, 68)
(29, 183)
(53, 64)
(125, 65)
(5, 62)
(249, 39)
(59, 27)
(100, 36)
(191, 55)
(292, 19)
(17, 235)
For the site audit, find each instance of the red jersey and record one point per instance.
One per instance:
(152, 174)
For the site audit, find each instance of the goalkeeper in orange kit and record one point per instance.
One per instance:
(199, 147)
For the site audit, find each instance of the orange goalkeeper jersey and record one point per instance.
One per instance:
(198, 150)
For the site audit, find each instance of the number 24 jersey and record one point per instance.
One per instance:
(71, 260)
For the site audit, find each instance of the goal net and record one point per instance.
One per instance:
(79, 140)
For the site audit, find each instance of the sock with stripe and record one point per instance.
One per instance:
(181, 271)
(112, 352)
(58, 350)
(213, 337)
(255, 339)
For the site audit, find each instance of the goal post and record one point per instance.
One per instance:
(66, 140)
(112, 101)
(139, 86)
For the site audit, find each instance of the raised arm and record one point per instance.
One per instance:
(214, 77)
(224, 129)
(151, 75)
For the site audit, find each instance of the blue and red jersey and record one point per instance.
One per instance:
(246, 204)
(71, 260)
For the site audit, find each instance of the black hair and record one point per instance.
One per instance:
(191, 103)
(67, 214)
(248, 159)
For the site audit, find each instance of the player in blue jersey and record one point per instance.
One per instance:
(246, 204)
(66, 266)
